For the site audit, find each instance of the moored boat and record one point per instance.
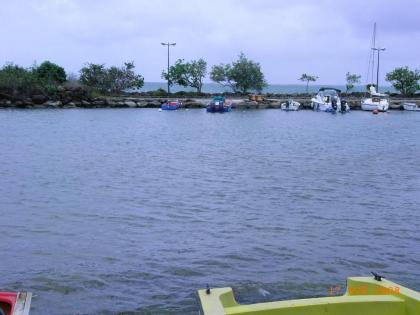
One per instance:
(15, 303)
(376, 101)
(328, 100)
(171, 105)
(290, 105)
(363, 296)
(411, 107)
(219, 105)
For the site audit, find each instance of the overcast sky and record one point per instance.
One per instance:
(324, 37)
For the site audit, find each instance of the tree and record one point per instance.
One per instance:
(306, 77)
(94, 76)
(351, 80)
(187, 73)
(50, 73)
(110, 80)
(123, 78)
(242, 75)
(404, 80)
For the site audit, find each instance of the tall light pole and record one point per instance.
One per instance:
(377, 67)
(168, 44)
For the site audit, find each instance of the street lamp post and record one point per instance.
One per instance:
(377, 67)
(168, 44)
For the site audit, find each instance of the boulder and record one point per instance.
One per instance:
(98, 103)
(141, 103)
(86, 103)
(110, 102)
(5, 96)
(70, 105)
(130, 103)
(39, 99)
(53, 104)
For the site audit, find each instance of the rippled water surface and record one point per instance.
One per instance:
(127, 210)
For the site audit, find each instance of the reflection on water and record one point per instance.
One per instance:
(125, 210)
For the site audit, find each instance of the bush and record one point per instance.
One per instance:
(159, 92)
(19, 81)
(16, 80)
(50, 74)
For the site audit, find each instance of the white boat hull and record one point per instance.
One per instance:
(293, 106)
(369, 105)
(324, 107)
(411, 107)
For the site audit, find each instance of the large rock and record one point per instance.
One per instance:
(98, 103)
(5, 96)
(110, 102)
(70, 105)
(86, 103)
(39, 99)
(53, 104)
(130, 103)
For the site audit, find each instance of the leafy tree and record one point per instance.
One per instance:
(123, 78)
(404, 80)
(308, 78)
(50, 74)
(94, 76)
(113, 80)
(241, 76)
(187, 73)
(351, 80)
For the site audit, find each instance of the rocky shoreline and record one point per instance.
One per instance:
(78, 98)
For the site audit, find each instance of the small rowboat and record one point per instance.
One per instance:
(171, 105)
(364, 296)
(15, 303)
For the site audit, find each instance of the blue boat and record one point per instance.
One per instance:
(219, 105)
(171, 105)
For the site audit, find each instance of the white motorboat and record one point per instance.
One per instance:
(411, 107)
(290, 105)
(328, 100)
(376, 101)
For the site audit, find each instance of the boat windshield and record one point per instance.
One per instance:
(329, 93)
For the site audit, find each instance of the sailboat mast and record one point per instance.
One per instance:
(373, 50)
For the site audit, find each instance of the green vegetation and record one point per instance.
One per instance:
(50, 74)
(187, 73)
(351, 80)
(42, 79)
(110, 80)
(404, 80)
(241, 76)
(308, 78)
(15, 80)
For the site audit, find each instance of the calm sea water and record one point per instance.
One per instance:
(127, 210)
(271, 88)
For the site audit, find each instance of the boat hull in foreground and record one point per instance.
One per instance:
(15, 303)
(364, 296)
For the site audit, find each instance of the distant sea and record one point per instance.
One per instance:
(271, 88)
